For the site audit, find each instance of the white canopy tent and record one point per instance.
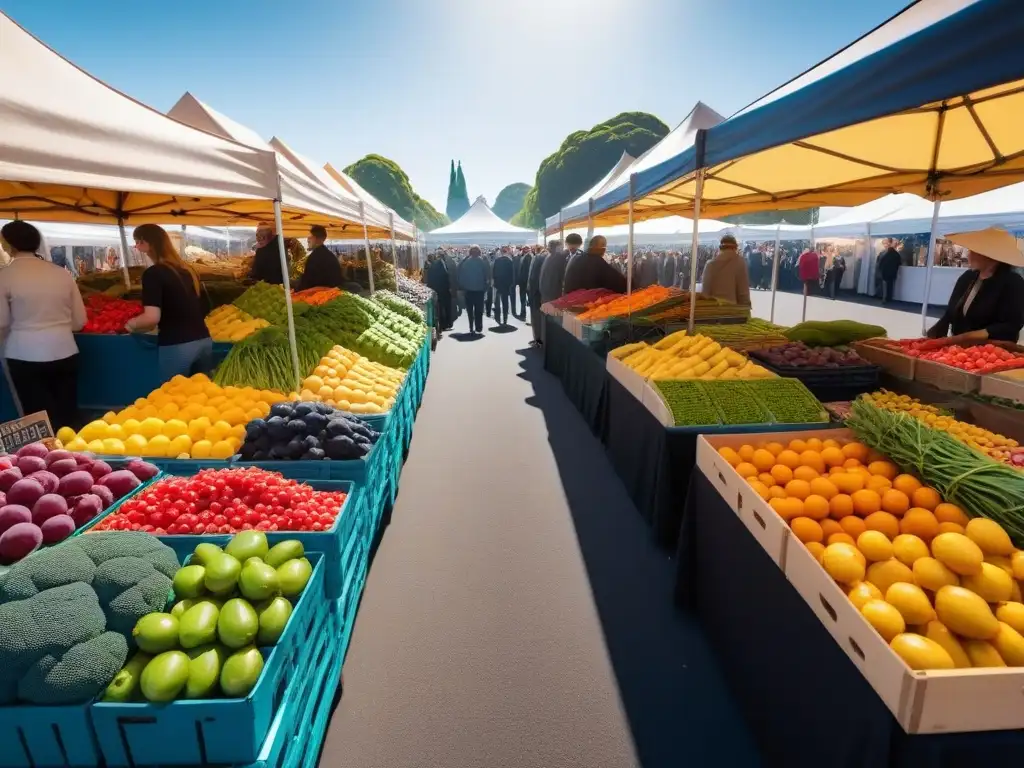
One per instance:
(481, 226)
(671, 231)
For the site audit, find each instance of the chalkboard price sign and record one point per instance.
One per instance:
(28, 429)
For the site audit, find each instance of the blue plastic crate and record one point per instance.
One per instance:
(183, 467)
(218, 731)
(47, 736)
(104, 386)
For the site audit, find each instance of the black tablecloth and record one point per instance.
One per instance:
(805, 702)
(581, 371)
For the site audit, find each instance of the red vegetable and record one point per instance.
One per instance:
(105, 314)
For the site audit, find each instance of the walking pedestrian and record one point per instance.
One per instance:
(474, 280)
(503, 272)
(533, 286)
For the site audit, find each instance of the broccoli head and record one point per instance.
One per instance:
(67, 614)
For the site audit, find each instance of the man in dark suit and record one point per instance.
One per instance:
(523, 278)
(323, 270)
(266, 262)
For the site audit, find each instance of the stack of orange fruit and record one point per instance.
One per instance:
(831, 491)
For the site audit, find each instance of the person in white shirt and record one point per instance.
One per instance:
(40, 309)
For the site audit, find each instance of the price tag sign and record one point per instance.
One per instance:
(32, 428)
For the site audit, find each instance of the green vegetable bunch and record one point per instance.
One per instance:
(789, 401)
(264, 359)
(267, 302)
(400, 306)
(832, 333)
(689, 402)
(737, 404)
(980, 486)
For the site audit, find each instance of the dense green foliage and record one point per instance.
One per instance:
(581, 161)
(510, 200)
(385, 180)
(458, 197)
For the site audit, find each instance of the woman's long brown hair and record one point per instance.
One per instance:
(162, 250)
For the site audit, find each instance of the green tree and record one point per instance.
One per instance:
(385, 180)
(582, 159)
(453, 193)
(510, 200)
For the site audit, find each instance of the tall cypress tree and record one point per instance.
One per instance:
(462, 199)
(452, 205)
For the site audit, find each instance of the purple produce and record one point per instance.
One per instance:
(33, 449)
(57, 528)
(99, 468)
(12, 514)
(86, 508)
(25, 492)
(63, 466)
(75, 483)
(19, 541)
(47, 479)
(9, 477)
(142, 469)
(54, 456)
(120, 483)
(798, 355)
(49, 505)
(30, 464)
(105, 494)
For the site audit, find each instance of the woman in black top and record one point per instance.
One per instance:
(171, 300)
(988, 300)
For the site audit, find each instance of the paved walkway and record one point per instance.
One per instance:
(517, 614)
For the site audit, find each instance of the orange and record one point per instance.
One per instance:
(895, 502)
(797, 445)
(874, 455)
(814, 444)
(777, 492)
(878, 483)
(830, 443)
(729, 455)
(760, 489)
(805, 473)
(746, 452)
(789, 459)
(806, 530)
(817, 549)
(906, 483)
(823, 487)
(884, 468)
(927, 498)
(746, 469)
(775, 448)
(884, 522)
(816, 507)
(798, 489)
(833, 457)
(839, 506)
(830, 526)
(763, 459)
(855, 450)
(835, 470)
(782, 474)
(844, 538)
(920, 523)
(767, 479)
(851, 463)
(787, 509)
(813, 460)
(866, 502)
(950, 513)
(847, 482)
(952, 528)
(862, 471)
(853, 525)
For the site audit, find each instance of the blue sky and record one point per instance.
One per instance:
(495, 83)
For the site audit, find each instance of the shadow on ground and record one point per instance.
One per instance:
(503, 329)
(676, 702)
(465, 336)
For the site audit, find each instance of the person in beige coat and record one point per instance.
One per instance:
(725, 276)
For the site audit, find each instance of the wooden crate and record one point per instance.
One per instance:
(1001, 385)
(923, 702)
(946, 377)
(880, 352)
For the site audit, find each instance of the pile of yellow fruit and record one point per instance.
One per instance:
(229, 323)
(989, 443)
(184, 418)
(941, 589)
(349, 382)
(679, 356)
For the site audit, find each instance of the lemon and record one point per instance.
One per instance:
(983, 654)
(96, 446)
(875, 546)
(175, 428)
(863, 591)
(886, 573)
(65, 435)
(1010, 645)
(930, 574)
(78, 444)
(958, 553)
(965, 613)
(920, 652)
(939, 633)
(909, 548)
(886, 620)
(94, 430)
(131, 426)
(222, 449)
(201, 449)
(114, 446)
(993, 584)
(179, 445)
(989, 536)
(134, 444)
(911, 601)
(1011, 613)
(158, 445)
(150, 427)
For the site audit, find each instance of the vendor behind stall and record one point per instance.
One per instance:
(171, 299)
(40, 309)
(323, 270)
(592, 271)
(987, 301)
(266, 262)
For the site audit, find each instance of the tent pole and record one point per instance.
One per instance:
(561, 230)
(803, 311)
(590, 219)
(124, 254)
(928, 264)
(394, 258)
(694, 243)
(287, 295)
(629, 240)
(366, 245)
(775, 270)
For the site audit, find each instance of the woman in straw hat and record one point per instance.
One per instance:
(987, 301)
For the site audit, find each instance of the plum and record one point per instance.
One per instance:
(39, 450)
(63, 467)
(12, 514)
(75, 483)
(106, 495)
(99, 469)
(49, 505)
(19, 541)
(57, 528)
(25, 492)
(9, 477)
(46, 479)
(86, 508)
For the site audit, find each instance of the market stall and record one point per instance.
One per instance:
(480, 226)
